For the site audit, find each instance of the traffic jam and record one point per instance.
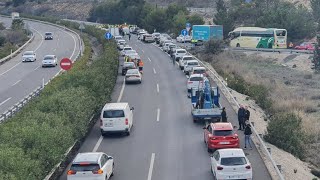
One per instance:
(228, 159)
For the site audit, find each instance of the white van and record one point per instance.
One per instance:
(116, 117)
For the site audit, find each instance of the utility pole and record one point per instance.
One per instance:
(316, 56)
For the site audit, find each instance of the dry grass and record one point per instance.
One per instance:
(290, 90)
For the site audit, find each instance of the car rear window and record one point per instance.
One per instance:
(181, 51)
(85, 167)
(199, 71)
(193, 63)
(233, 161)
(48, 58)
(28, 53)
(223, 132)
(196, 78)
(187, 58)
(113, 113)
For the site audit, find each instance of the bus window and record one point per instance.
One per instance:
(281, 33)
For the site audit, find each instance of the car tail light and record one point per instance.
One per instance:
(127, 122)
(219, 168)
(248, 167)
(101, 123)
(71, 172)
(212, 137)
(137, 76)
(189, 82)
(100, 171)
(235, 137)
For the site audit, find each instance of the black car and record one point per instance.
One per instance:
(126, 66)
(48, 36)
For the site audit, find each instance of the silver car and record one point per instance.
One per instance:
(133, 75)
(29, 56)
(49, 60)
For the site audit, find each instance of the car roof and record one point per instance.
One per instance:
(199, 68)
(196, 75)
(48, 32)
(231, 152)
(222, 126)
(121, 105)
(132, 71)
(193, 60)
(29, 52)
(180, 50)
(50, 55)
(92, 157)
(128, 63)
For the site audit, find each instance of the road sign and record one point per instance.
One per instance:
(81, 26)
(66, 64)
(188, 27)
(108, 35)
(184, 32)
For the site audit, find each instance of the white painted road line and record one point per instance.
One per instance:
(5, 101)
(158, 88)
(158, 114)
(154, 71)
(98, 144)
(118, 100)
(36, 68)
(10, 69)
(42, 39)
(151, 166)
(149, 59)
(16, 83)
(142, 50)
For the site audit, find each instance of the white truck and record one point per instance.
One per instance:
(15, 15)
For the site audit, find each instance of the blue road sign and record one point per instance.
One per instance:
(184, 32)
(108, 35)
(188, 25)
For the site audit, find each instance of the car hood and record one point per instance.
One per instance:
(28, 56)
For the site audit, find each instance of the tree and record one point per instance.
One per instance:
(156, 20)
(17, 24)
(2, 27)
(223, 17)
(195, 19)
(18, 2)
(315, 5)
(179, 22)
(316, 57)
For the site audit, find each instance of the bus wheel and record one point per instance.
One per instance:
(238, 45)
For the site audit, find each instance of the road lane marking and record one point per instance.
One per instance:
(142, 50)
(158, 114)
(42, 39)
(154, 71)
(54, 49)
(16, 83)
(149, 59)
(75, 45)
(118, 100)
(5, 101)
(158, 88)
(151, 166)
(10, 69)
(98, 144)
(36, 68)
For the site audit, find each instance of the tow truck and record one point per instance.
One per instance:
(205, 103)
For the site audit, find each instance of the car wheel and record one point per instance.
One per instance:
(194, 120)
(181, 68)
(238, 45)
(128, 133)
(209, 150)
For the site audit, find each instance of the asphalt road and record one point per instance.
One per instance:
(18, 79)
(165, 144)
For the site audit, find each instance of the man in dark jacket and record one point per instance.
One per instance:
(246, 114)
(224, 115)
(247, 135)
(241, 113)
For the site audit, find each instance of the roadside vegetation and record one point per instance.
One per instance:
(14, 37)
(171, 19)
(38, 136)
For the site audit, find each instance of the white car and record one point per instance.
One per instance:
(148, 38)
(130, 53)
(199, 70)
(179, 53)
(133, 75)
(183, 60)
(123, 52)
(116, 117)
(140, 34)
(183, 39)
(49, 60)
(117, 38)
(121, 45)
(195, 81)
(91, 166)
(230, 164)
(166, 45)
(189, 65)
(29, 56)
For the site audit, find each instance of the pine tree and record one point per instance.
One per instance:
(223, 17)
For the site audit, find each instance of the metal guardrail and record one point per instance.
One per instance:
(272, 50)
(226, 92)
(18, 106)
(10, 56)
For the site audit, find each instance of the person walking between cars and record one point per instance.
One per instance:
(241, 113)
(246, 114)
(140, 64)
(224, 115)
(247, 135)
(129, 36)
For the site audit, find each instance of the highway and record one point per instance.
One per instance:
(164, 143)
(18, 79)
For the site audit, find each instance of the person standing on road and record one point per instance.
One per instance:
(246, 114)
(247, 135)
(224, 115)
(140, 64)
(241, 113)
(129, 36)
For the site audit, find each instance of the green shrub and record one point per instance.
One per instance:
(214, 46)
(285, 131)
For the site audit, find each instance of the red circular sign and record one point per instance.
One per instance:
(66, 64)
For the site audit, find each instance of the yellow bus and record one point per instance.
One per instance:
(257, 37)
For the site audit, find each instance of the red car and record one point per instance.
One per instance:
(220, 135)
(306, 46)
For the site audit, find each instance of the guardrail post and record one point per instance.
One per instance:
(3, 116)
(279, 167)
(261, 136)
(10, 113)
(252, 123)
(269, 149)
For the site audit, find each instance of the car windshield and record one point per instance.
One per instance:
(196, 78)
(48, 58)
(181, 51)
(172, 45)
(233, 161)
(28, 53)
(193, 63)
(223, 132)
(84, 167)
(113, 113)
